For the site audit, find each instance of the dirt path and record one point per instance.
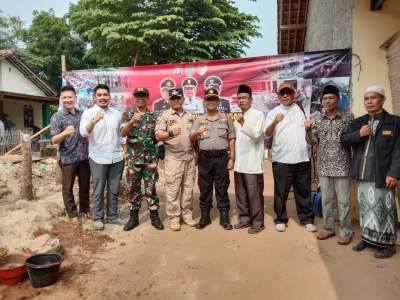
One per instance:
(217, 264)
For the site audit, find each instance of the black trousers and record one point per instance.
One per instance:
(213, 173)
(69, 172)
(249, 190)
(298, 175)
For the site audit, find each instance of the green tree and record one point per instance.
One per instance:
(10, 32)
(46, 40)
(127, 32)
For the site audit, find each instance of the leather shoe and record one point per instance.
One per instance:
(254, 230)
(324, 235)
(345, 240)
(385, 252)
(241, 226)
(360, 246)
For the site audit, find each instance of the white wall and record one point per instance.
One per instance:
(370, 30)
(12, 80)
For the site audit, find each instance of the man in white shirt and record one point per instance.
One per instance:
(249, 160)
(290, 158)
(101, 124)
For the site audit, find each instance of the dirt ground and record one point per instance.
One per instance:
(212, 264)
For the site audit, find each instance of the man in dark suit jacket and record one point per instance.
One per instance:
(162, 104)
(375, 142)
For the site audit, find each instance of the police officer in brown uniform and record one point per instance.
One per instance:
(215, 135)
(162, 103)
(173, 128)
(216, 83)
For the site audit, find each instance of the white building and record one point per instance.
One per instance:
(24, 97)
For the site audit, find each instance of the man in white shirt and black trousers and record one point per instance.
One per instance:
(249, 154)
(290, 158)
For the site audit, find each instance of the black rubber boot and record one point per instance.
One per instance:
(224, 220)
(133, 220)
(204, 219)
(155, 220)
(385, 252)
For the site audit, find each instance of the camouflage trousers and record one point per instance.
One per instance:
(148, 173)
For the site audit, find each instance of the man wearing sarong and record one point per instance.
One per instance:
(375, 143)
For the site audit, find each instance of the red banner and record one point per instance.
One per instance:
(309, 72)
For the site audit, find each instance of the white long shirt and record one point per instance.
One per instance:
(105, 139)
(249, 147)
(289, 144)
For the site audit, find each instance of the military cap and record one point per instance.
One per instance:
(175, 92)
(211, 93)
(212, 81)
(141, 91)
(189, 82)
(167, 83)
(286, 85)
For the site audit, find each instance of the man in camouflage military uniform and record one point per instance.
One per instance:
(162, 103)
(216, 83)
(138, 125)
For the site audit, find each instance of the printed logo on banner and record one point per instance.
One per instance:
(178, 72)
(189, 70)
(202, 70)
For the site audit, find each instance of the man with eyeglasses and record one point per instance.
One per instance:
(290, 159)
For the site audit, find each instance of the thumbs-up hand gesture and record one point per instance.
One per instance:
(308, 124)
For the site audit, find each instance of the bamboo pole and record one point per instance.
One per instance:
(26, 170)
(32, 137)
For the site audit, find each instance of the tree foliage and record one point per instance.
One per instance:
(10, 32)
(125, 32)
(46, 40)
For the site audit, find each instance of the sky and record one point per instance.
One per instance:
(265, 10)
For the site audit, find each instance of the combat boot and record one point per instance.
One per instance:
(133, 220)
(205, 219)
(224, 219)
(155, 220)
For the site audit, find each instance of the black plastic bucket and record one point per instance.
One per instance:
(43, 268)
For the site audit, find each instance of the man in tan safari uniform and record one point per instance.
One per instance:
(173, 128)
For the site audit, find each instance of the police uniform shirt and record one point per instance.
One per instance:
(219, 131)
(178, 147)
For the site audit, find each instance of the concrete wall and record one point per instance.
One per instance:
(393, 58)
(329, 25)
(370, 30)
(12, 80)
(15, 109)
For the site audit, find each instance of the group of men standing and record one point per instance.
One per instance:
(370, 144)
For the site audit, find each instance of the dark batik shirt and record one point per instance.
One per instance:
(141, 141)
(73, 148)
(333, 158)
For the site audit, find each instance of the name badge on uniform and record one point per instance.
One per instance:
(172, 122)
(387, 132)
